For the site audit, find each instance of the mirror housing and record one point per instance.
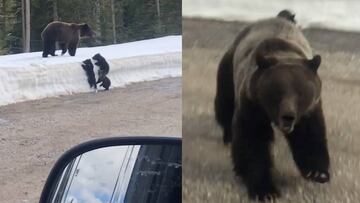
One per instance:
(73, 153)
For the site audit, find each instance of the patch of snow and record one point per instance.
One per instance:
(28, 76)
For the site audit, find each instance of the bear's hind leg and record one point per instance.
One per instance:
(309, 147)
(72, 49)
(63, 48)
(52, 49)
(224, 99)
(47, 47)
(45, 54)
(251, 153)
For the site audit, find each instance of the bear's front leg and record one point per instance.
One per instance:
(224, 99)
(309, 147)
(251, 153)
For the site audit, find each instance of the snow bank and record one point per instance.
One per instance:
(342, 15)
(28, 76)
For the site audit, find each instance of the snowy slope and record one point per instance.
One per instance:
(335, 14)
(28, 76)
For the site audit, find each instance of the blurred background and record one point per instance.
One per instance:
(114, 21)
(337, 14)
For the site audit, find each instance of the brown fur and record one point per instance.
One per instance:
(269, 75)
(66, 34)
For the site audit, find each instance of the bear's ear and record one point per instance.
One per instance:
(314, 63)
(265, 62)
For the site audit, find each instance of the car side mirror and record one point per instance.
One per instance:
(120, 169)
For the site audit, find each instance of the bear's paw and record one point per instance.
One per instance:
(265, 194)
(317, 176)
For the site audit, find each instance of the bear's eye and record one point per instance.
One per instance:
(306, 95)
(273, 94)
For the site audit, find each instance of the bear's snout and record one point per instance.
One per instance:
(287, 122)
(287, 115)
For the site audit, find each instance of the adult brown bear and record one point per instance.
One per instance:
(269, 75)
(66, 34)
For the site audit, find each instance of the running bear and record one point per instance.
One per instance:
(269, 76)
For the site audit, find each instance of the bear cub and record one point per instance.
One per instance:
(66, 34)
(103, 65)
(268, 78)
(287, 14)
(102, 70)
(89, 70)
(106, 83)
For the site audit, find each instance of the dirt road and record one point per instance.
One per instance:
(34, 134)
(207, 171)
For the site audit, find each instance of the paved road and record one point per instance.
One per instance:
(34, 134)
(207, 171)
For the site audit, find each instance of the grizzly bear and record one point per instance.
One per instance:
(268, 79)
(66, 34)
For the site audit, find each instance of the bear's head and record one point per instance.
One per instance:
(287, 14)
(287, 90)
(97, 57)
(86, 31)
(87, 63)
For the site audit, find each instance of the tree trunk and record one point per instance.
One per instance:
(97, 17)
(120, 22)
(27, 47)
(158, 8)
(2, 25)
(113, 21)
(2, 18)
(23, 23)
(55, 10)
(158, 14)
(26, 25)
